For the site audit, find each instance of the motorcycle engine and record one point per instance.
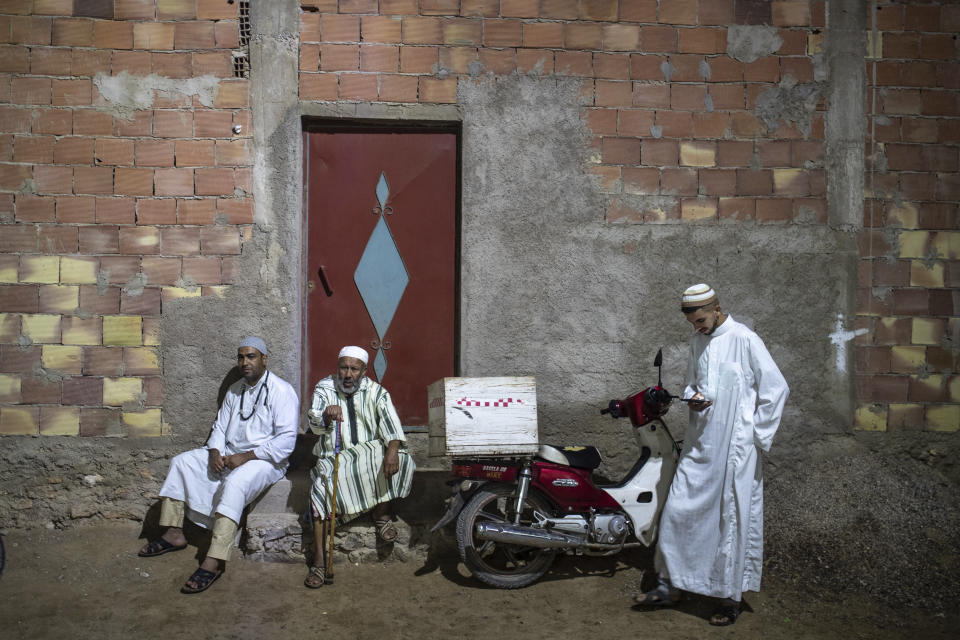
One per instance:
(609, 528)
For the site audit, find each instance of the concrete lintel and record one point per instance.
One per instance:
(382, 111)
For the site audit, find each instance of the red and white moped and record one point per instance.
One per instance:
(514, 515)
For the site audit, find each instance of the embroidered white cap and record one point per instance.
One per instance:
(698, 295)
(354, 352)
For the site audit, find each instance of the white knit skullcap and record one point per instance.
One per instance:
(353, 352)
(255, 342)
(698, 295)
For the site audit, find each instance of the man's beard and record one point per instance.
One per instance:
(343, 388)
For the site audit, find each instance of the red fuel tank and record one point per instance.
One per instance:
(570, 488)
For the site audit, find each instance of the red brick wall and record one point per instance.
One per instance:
(706, 167)
(907, 362)
(89, 200)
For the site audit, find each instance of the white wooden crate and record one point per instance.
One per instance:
(482, 416)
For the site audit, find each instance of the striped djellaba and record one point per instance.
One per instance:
(364, 433)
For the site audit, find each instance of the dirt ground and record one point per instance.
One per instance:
(87, 582)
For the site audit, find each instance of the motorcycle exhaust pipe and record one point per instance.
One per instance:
(526, 536)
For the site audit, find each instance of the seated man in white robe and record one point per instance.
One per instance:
(247, 451)
(374, 467)
(711, 528)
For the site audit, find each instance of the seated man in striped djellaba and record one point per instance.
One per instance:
(374, 466)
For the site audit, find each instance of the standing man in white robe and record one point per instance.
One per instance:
(711, 529)
(247, 451)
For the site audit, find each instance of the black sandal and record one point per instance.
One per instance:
(726, 614)
(202, 579)
(159, 547)
(660, 596)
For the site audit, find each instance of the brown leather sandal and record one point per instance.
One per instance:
(386, 531)
(316, 578)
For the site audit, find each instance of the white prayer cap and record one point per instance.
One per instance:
(255, 342)
(353, 352)
(698, 295)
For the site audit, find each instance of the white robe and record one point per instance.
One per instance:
(270, 433)
(711, 529)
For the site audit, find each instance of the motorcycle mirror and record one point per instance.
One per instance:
(657, 362)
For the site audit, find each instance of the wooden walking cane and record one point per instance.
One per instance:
(328, 577)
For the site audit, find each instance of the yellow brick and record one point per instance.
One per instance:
(814, 43)
(697, 210)
(923, 276)
(77, 330)
(947, 244)
(143, 423)
(9, 388)
(15, 421)
(783, 179)
(943, 417)
(8, 272)
(905, 215)
(124, 331)
(78, 271)
(216, 290)
(176, 8)
(9, 327)
(874, 48)
(42, 269)
(120, 391)
(697, 154)
(41, 327)
(173, 293)
(151, 332)
(61, 358)
(59, 298)
(59, 421)
(926, 331)
(913, 244)
(905, 416)
(870, 418)
(955, 389)
(140, 361)
(907, 359)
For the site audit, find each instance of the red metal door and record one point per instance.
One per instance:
(382, 258)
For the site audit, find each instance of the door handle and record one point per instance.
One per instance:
(323, 281)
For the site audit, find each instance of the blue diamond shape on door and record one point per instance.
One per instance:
(381, 277)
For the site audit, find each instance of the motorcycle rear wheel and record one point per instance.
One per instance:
(505, 566)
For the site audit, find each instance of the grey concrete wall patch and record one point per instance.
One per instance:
(748, 43)
(126, 93)
(790, 102)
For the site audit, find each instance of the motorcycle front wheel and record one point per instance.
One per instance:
(505, 566)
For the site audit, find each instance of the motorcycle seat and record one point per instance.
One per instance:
(579, 457)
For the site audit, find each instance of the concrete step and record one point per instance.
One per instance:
(278, 526)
